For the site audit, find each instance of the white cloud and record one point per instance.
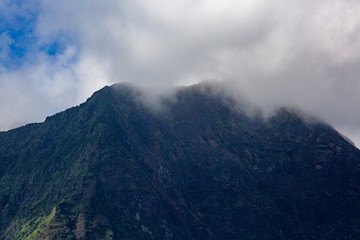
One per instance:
(300, 53)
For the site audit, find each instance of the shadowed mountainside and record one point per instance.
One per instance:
(113, 168)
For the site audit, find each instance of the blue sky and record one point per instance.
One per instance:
(16, 26)
(304, 54)
(18, 23)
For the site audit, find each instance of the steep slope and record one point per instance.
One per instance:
(112, 168)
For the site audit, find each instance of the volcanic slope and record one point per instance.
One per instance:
(112, 168)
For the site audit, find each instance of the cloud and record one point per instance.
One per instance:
(300, 53)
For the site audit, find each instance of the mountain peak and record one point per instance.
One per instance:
(111, 168)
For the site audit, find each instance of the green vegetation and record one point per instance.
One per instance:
(111, 168)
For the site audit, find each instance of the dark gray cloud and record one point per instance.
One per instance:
(299, 53)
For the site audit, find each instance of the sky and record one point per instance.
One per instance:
(297, 53)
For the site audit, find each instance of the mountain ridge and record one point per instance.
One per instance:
(111, 168)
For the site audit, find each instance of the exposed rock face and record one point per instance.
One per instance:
(112, 168)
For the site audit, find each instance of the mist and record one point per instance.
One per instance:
(301, 54)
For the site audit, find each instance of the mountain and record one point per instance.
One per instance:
(113, 168)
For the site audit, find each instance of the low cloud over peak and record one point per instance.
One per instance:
(299, 53)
